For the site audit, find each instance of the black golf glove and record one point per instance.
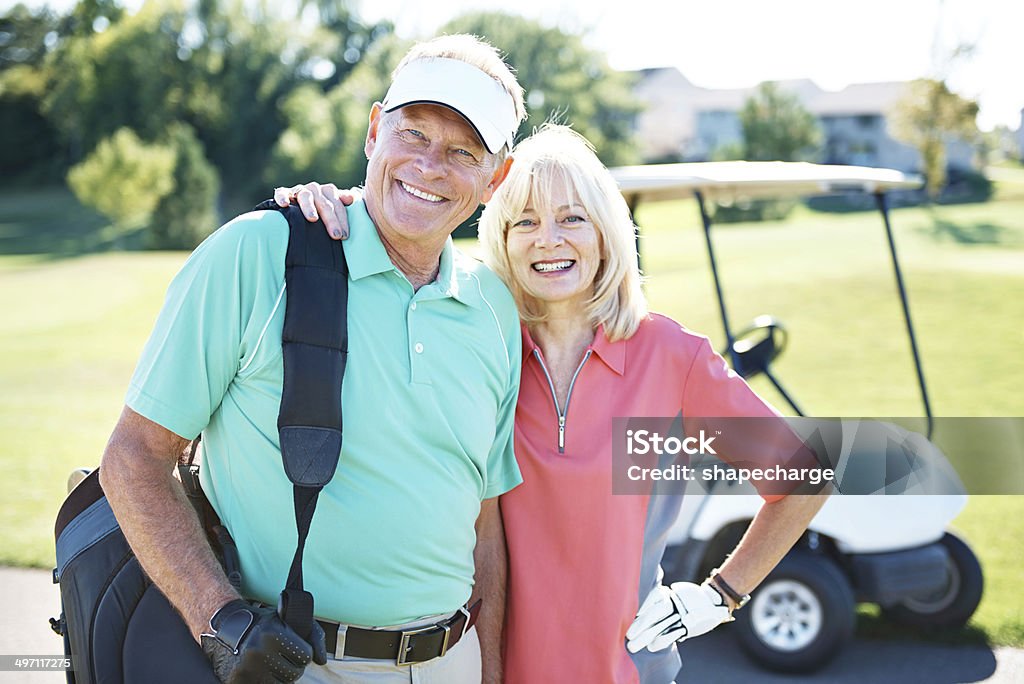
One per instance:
(252, 645)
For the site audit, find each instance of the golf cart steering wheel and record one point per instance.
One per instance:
(757, 345)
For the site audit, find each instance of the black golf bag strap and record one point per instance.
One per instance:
(314, 345)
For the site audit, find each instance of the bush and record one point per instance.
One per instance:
(965, 185)
(753, 210)
(185, 216)
(28, 141)
(166, 189)
(124, 179)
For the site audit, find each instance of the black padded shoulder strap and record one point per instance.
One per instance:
(314, 344)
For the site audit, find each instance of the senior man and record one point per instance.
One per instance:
(408, 533)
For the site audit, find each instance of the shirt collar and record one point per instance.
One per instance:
(611, 354)
(363, 249)
(366, 256)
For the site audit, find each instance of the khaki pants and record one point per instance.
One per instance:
(461, 665)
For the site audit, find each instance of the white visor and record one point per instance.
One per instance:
(462, 87)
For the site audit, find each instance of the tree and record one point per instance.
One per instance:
(563, 79)
(128, 75)
(28, 141)
(90, 16)
(124, 179)
(223, 68)
(341, 40)
(777, 127)
(252, 64)
(927, 117)
(27, 138)
(43, 131)
(187, 214)
(166, 189)
(326, 132)
(26, 36)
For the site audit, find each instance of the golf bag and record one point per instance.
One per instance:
(117, 626)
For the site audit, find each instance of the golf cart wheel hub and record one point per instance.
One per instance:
(786, 615)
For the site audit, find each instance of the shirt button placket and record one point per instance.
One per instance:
(419, 370)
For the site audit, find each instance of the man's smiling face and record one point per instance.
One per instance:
(427, 172)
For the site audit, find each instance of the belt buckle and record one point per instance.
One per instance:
(465, 625)
(404, 648)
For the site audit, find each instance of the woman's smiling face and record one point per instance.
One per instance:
(554, 249)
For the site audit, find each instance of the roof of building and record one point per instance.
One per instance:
(853, 100)
(858, 98)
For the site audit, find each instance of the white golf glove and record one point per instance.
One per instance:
(676, 613)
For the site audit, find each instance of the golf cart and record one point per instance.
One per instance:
(894, 551)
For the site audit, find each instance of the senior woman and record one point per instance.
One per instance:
(584, 598)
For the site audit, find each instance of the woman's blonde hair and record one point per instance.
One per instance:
(559, 157)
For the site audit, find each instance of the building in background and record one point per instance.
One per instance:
(684, 122)
(666, 126)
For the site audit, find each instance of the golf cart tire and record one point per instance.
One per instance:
(817, 590)
(952, 608)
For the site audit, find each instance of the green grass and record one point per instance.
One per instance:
(994, 526)
(829, 279)
(68, 340)
(73, 327)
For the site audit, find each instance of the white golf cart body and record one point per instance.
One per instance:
(891, 550)
(857, 524)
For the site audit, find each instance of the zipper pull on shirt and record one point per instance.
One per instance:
(554, 397)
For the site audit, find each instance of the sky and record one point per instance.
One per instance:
(740, 43)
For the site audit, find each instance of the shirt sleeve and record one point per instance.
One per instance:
(502, 470)
(749, 432)
(196, 346)
(713, 389)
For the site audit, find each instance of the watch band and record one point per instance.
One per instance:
(739, 599)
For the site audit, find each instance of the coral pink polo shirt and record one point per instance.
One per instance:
(581, 558)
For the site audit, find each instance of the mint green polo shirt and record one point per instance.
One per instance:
(429, 400)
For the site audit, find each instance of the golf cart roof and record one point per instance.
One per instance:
(736, 180)
(741, 180)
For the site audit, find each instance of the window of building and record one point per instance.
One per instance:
(867, 120)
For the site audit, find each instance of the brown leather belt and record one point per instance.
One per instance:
(404, 647)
